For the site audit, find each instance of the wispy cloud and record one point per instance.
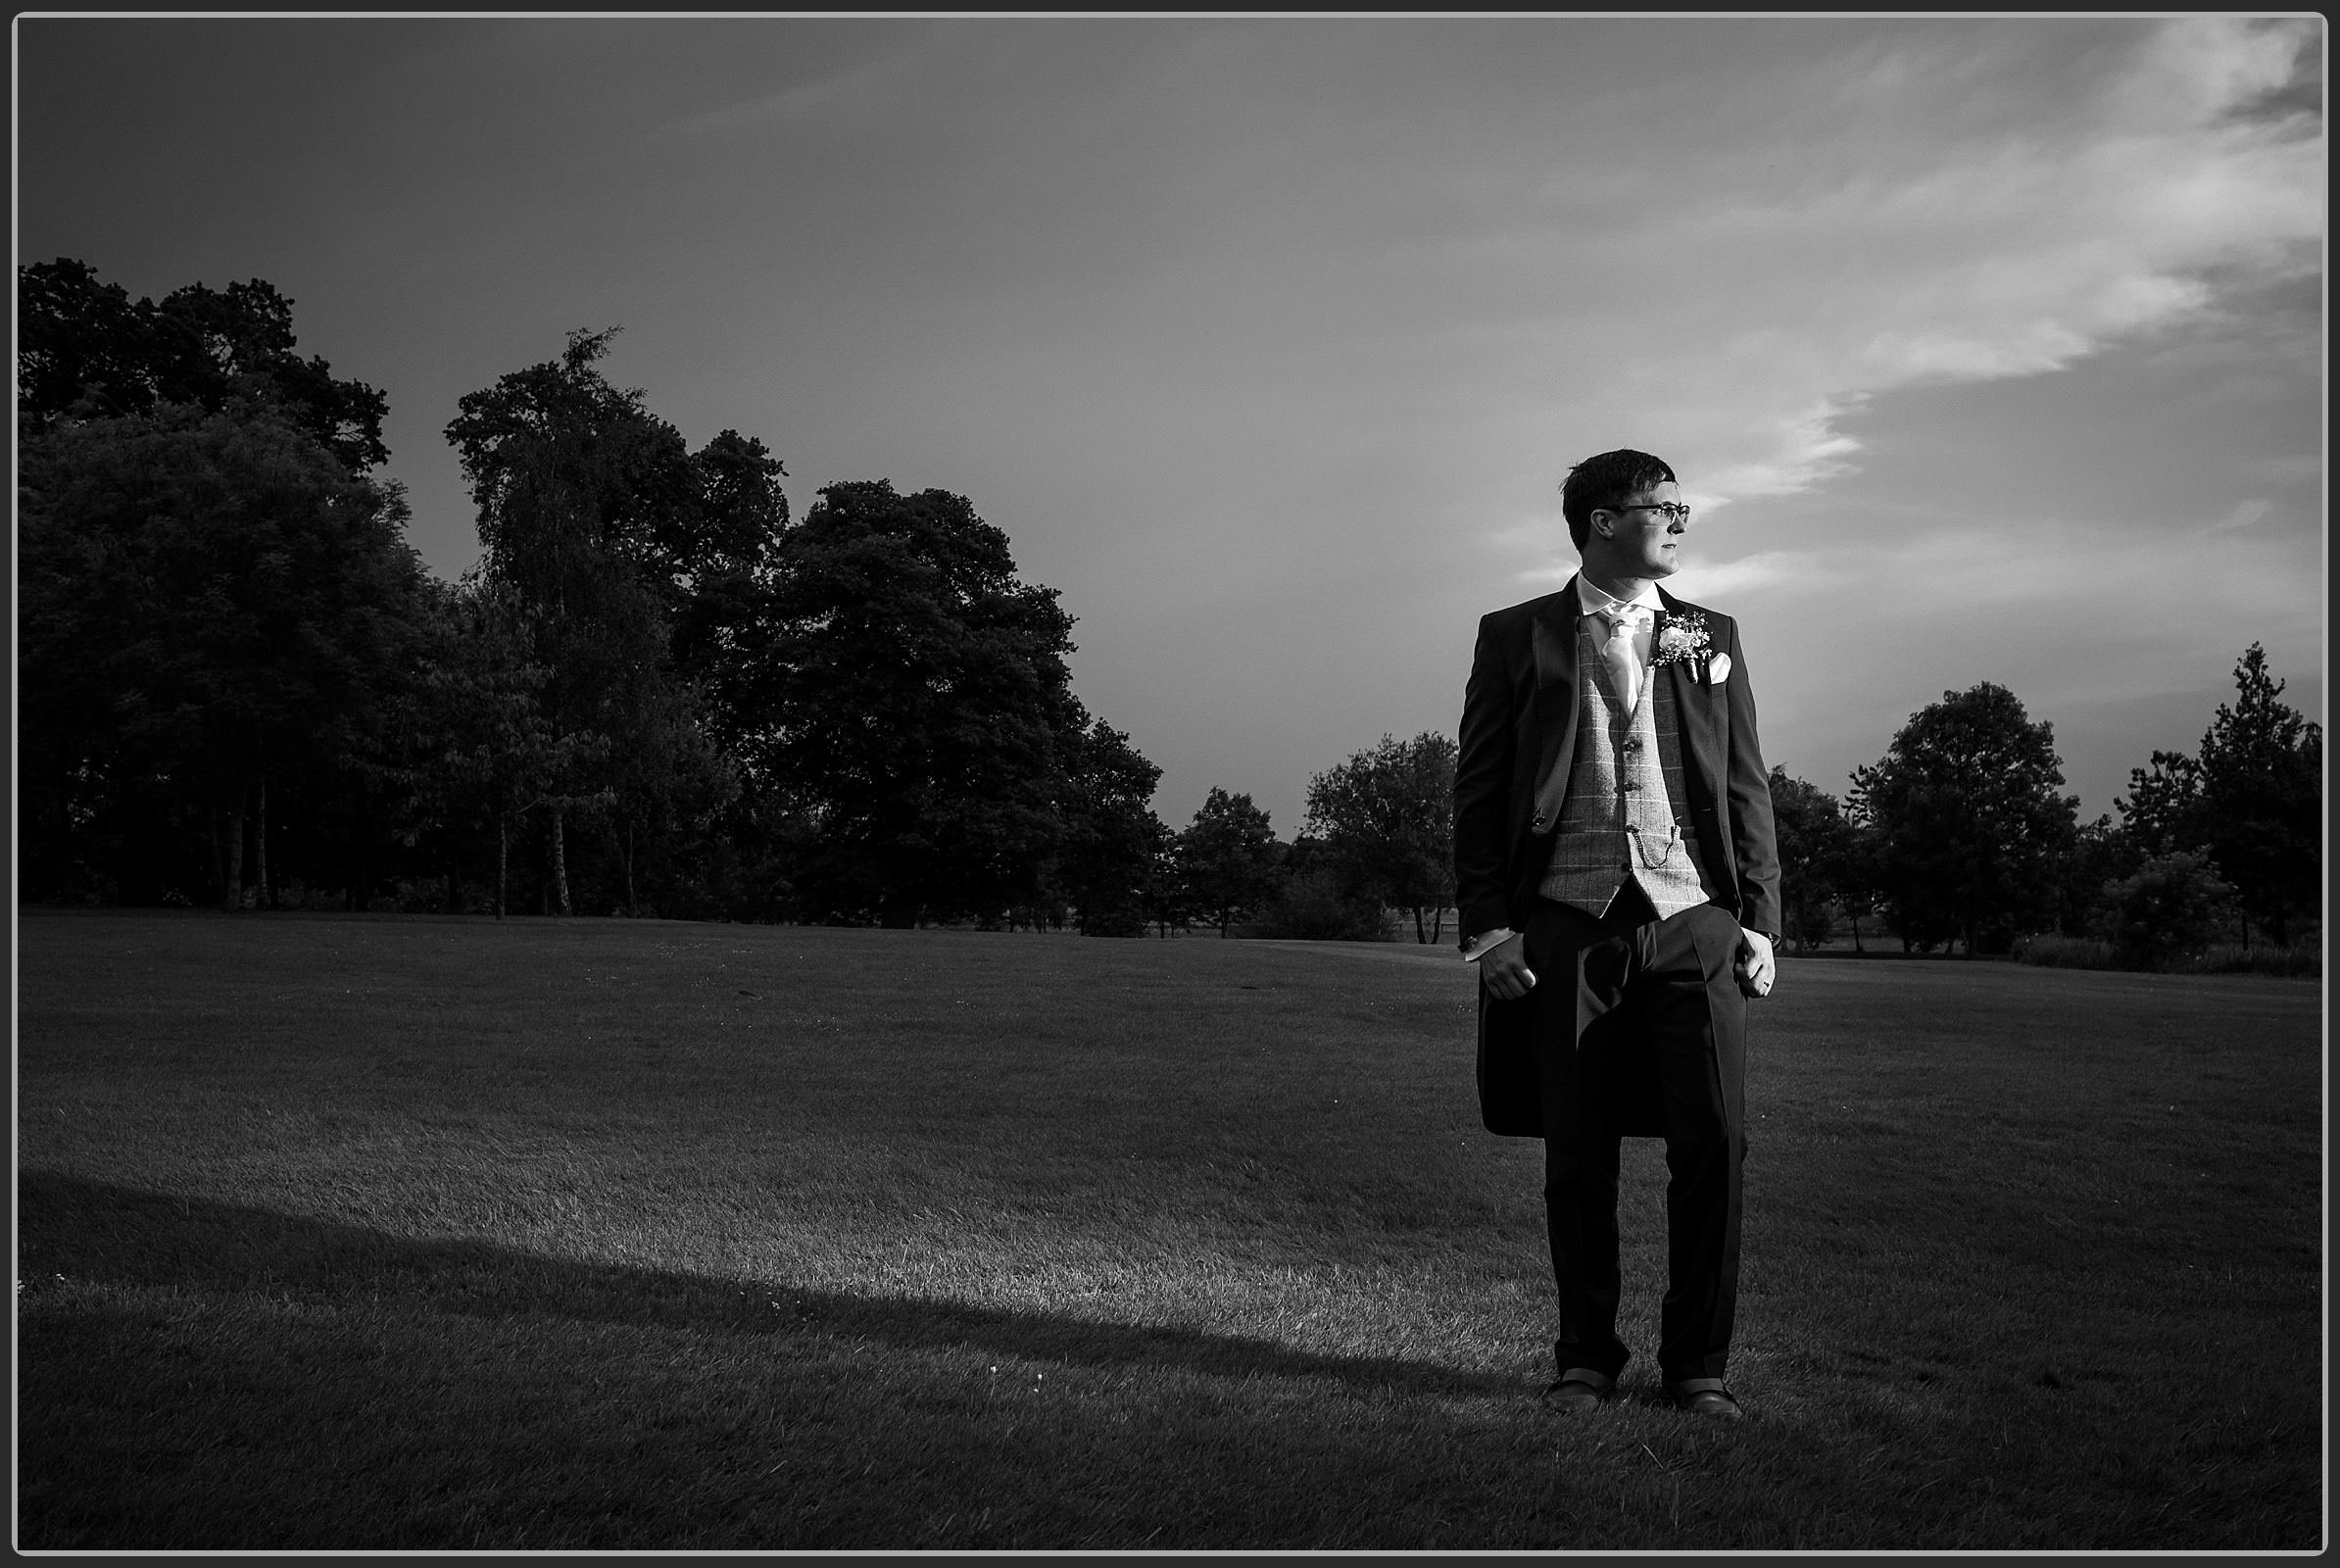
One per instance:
(2200, 69)
(1933, 259)
(1740, 327)
(2246, 514)
(834, 92)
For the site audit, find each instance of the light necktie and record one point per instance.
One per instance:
(1625, 669)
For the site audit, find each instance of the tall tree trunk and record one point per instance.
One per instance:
(630, 910)
(57, 814)
(1420, 939)
(1437, 925)
(219, 856)
(259, 846)
(1856, 925)
(559, 860)
(235, 897)
(361, 883)
(502, 856)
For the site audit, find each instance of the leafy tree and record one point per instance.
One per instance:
(572, 477)
(467, 745)
(1814, 840)
(90, 355)
(1388, 815)
(2164, 911)
(210, 601)
(2163, 809)
(86, 351)
(1858, 877)
(1969, 823)
(84, 348)
(2252, 801)
(668, 780)
(2263, 797)
(740, 512)
(721, 585)
(1227, 859)
(1317, 898)
(1111, 836)
(2100, 851)
(1166, 901)
(912, 694)
(588, 510)
(745, 862)
(713, 568)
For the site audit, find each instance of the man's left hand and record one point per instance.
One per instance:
(1756, 966)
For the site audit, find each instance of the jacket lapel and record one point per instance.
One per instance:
(1555, 639)
(1695, 702)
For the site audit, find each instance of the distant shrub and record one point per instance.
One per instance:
(2164, 915)
(2304, 963)
(1115, 921)
(1811, 925)
(419, 896)
(2056, 952)
(1309, 906)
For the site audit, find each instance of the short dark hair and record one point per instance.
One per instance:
(1604, 482)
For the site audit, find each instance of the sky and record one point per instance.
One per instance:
(1986, 349)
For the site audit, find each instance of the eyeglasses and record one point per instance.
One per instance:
(1673, 510)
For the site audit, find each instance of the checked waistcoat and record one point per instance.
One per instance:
(1625, 784)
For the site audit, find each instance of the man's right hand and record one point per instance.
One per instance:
(1504, 971)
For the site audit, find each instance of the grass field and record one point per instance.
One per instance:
(417, 1233)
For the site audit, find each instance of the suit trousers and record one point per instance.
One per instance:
(1631, 1009)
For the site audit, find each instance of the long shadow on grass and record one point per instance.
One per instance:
(95, 1232)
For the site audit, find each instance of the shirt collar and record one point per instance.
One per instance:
(1599, 602)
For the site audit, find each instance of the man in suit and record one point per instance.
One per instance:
(1619, 890)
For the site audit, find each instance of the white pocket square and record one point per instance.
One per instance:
(1718, 669)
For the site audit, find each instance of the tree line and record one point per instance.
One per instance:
(659, 692)
(1959, 837)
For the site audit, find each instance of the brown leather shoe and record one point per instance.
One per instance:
(1581, 1391)
(1705, 1396)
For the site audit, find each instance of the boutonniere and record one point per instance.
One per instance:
(1685, 639)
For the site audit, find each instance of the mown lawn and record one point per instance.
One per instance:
(415, 1232)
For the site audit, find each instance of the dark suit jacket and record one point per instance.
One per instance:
(1517, 744)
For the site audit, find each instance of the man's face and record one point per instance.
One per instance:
(1643, 541)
